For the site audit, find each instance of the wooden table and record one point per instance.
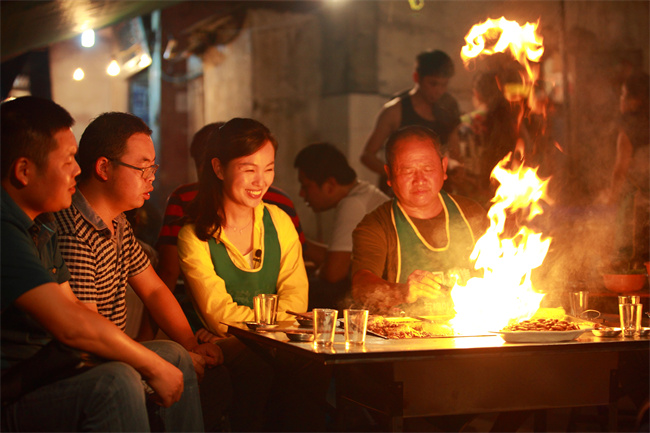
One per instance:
(463, 375)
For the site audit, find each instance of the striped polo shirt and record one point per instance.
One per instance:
(100, 263)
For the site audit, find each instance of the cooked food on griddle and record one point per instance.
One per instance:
(406, 328)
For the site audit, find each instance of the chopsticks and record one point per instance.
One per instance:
(424, 319)
(302, 315)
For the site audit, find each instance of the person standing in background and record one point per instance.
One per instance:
(630, 184)
(490, 131)
(427, 104)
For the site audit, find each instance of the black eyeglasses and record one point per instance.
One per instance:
(147, 172)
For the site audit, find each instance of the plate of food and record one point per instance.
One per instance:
(541, 331)
(406, 328)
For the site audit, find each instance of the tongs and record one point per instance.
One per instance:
(424, 319)
(301, 315)
(590, 316)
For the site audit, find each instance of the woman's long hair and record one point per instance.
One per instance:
(236, 138)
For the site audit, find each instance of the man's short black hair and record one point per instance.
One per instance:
(320, 161)
(107, 136)
(409, 131)
(436, 63)
(28, 127)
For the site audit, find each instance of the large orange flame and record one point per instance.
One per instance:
(510, 249)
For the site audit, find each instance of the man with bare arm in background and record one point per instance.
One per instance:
(427, 104)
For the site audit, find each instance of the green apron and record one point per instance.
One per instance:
(243, 285)
(416, 253)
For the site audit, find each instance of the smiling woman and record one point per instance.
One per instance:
(236, 245)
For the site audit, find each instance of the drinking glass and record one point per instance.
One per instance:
(356, 323)
(579, 302)
(630, 315)
(629, 299)
(266, 309)
(324, 326)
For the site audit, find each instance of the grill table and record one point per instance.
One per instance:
(464, 375)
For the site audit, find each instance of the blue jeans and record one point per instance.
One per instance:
(109, 397)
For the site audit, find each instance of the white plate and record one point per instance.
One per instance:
(540, 336)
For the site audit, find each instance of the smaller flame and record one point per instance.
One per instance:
(499, 36)
(505, 292)
(496, 36)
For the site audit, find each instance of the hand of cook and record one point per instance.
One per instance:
(423, 284)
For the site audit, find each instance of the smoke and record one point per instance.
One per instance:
(580, 248)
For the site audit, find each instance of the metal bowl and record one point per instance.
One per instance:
(295, 336)
(253, 325)
(305, 323)
(606, 332)
(644, 332)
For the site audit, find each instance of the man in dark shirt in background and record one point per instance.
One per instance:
(427, 104)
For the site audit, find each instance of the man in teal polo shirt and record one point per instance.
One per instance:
(38, 177)
(407, 247)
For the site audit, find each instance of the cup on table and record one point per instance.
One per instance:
(356, 323)
(629, 299)
(266, 309)
(579, 302)
(324, 326)
(630, 315)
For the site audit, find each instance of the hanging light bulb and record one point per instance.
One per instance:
(88, 38)
(113, 68)
(145, 61)
(78, 74)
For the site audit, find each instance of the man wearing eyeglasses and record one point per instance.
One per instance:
(117, 160)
